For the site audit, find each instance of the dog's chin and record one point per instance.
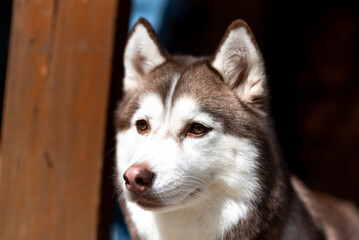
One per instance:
(158, 203)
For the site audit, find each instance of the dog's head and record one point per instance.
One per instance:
(190, 129)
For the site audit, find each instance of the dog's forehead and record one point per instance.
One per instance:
(196, 80)
(202, 84)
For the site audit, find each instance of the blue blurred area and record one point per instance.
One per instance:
(152, 10)
(118, 229)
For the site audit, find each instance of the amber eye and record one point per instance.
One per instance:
(197, 129)
(142, 126)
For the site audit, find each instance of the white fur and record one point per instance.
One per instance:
(223, 167)
(170, 97)
(236, 49)
(140, 48)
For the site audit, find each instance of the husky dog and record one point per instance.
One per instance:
(197, 157)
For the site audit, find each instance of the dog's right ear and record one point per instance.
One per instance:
(143, 53)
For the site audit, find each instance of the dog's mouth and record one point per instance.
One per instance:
(150, 201)
(147, 201)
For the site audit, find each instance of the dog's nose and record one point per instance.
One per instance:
(138, 179)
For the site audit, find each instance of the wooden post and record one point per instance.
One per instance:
(54, 124)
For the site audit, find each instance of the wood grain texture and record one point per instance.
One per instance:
(54, 121)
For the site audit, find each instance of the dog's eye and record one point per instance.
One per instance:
(197, 129)
(142, 126)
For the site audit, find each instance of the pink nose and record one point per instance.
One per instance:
(138, 179)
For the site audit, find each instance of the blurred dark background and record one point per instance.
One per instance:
(5, 20)
(312, 58)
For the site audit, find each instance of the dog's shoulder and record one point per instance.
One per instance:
(339, 219)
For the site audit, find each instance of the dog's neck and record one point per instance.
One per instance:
(209, 219)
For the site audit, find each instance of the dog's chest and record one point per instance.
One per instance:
(203, 224)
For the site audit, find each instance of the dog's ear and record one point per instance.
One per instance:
(143, 52)
(241, 65)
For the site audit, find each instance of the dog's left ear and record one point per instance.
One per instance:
(143, 53)
(241, 65)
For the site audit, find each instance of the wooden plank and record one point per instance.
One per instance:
(54, 118)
